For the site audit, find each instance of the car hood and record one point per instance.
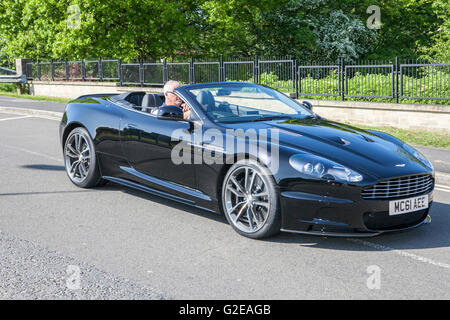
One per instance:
(353, 147)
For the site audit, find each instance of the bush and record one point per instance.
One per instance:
(272, 80)
(8, 87)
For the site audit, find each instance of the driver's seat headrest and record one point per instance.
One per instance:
(206, 100)
(151, 101)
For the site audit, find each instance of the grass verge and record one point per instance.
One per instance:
(415, 137)
(28, 96)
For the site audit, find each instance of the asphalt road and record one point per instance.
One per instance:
(59, 241)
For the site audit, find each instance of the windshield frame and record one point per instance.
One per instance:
(187, 90)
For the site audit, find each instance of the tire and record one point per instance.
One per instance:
(250, 200)
(80, 159)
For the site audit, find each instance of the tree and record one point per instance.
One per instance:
(128, 29)
(340, 35)
(297, 28)
(407, 25)
(288, 29)
(153, 29)
(440, 49)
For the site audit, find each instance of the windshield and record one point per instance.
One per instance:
(245, 103)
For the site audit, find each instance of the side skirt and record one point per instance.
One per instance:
(154, 192)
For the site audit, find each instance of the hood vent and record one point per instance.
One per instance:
(367, 138)
(339, 140)
(345, 142)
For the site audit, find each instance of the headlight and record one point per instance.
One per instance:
(320, 168)
(418, 155)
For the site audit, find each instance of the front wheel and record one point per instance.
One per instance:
(250, 200)
(80, 159)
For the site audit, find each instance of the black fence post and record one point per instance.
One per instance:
(343, 82)
(100, 69)
(294, 76)
(400, 93)
(191, 71)
(165, 71)
(38, 70)
(52, 70)
(141, 72)
(339, 63)
(66, 65)
(397, 69)
(221, 70)
(298, 89)
(83, 70)
(256, 71)
(119, 66)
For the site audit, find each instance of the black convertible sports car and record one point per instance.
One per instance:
(265, 161)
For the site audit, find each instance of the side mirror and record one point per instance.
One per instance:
(307, 105)
(174, 113)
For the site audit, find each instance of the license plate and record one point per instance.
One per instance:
(408, 205)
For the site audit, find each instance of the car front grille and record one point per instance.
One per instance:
(399, 187)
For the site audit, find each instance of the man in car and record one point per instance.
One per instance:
(171, 99)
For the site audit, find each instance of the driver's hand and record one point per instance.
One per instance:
(185, 107)
(186, 111)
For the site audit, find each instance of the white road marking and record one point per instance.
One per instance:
(46, 117)
(59, 160)
(441, 187)
(44, 114)
(441, 161)
(29, 116)
(401, 253)
(15, 118)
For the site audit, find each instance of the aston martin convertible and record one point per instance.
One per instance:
(265, 161)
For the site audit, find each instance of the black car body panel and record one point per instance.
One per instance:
(134, 148)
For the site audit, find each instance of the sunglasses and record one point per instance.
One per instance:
(170, 92)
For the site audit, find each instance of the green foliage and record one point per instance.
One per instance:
(288, 29)
(338, 35)
(272, 80)
(154, 29)
(310, 29)
(8, 87)
(440, 50)
(41, 29)
(407, 25)
(268, 79)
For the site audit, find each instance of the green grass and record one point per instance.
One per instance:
(31, 97)
(415, 137)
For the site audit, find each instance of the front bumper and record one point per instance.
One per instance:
(339, 210)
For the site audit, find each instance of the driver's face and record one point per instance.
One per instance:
(171, 98)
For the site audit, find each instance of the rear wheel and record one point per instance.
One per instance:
(80, 159)
(250, 200)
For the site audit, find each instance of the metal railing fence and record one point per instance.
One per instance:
(392, 80)
(375, 79)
